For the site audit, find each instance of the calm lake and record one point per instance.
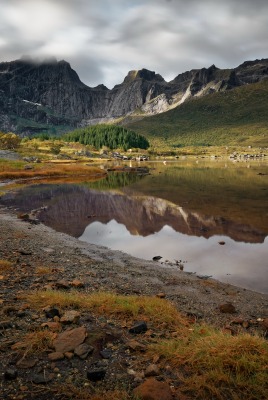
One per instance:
(210, 216)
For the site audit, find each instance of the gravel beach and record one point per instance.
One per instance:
(31, 246)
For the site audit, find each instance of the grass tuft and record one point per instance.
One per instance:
(35, 343)
(5, 266)
(157, 311)
(218, 365)
(43, 270)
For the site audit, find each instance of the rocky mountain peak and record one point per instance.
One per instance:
(143, 74)
(49, 92)
(252, 71)
(101, 87)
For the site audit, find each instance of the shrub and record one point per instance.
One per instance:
(9, 141)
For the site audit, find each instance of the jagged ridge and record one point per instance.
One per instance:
(36, 95)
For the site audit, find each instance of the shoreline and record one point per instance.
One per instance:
(79, 352)
(105, 269)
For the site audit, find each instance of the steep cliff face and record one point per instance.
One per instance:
(36, 95)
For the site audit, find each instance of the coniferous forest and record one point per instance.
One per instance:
(107, 135)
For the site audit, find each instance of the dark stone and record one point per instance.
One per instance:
(10, 374)
(21, 314)
(157, 258)
(5, 325)
(227, 308)
(42, 378)
(139, 327)
(106, 353)
(52, 312)
(25, 252)
(195, 313)
(96, 374)
(204, 276)
(62, 284)
(24, 217)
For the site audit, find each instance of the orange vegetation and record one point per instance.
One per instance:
(52, 170)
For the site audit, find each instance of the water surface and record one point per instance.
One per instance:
(181, 211)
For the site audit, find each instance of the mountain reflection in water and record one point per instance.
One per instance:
(176, 213)
(241, 264)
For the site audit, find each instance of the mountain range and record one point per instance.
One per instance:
(49, 96)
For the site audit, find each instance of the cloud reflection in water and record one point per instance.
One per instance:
(242, 264)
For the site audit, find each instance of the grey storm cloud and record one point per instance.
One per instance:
(104, 39)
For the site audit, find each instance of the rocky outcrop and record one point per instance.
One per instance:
(252, 71)
(35, 96)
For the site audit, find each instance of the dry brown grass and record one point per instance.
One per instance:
(35, 343)
(5, 266)
(159, 312)
(50, 170)
(218, 365)
(43, 270)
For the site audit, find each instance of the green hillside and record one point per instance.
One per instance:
(234, 117)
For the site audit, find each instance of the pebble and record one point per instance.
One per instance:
(42, 378)
(56, 356)
(83, 351)
(161, 295)
(227, 308)
(152, 389)
(5, 325)
(26, 363)
(138, 327)
(52, 312)
(152, 370)
(106, 353)
(53, 326)
(70, 339)
(70, 317)
(96, 374)
(77, 284)
(134, 345)
(10, 374)
(69, 355)
(62, 284)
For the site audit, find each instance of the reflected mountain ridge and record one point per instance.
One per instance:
(179, 211)
(71, 208)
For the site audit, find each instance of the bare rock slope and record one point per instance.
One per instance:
(34, 95)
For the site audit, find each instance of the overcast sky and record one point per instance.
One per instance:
(104, 39)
